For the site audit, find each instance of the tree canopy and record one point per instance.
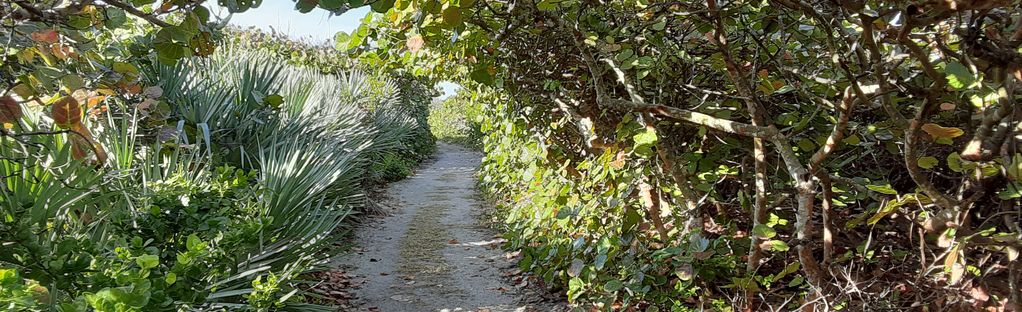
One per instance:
(645, 148)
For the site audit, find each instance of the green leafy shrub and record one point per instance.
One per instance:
(262, 162)
(456, 119)
(582, 234)
(828, 145)
(392, 167)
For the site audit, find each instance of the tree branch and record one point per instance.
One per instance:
(133, 11)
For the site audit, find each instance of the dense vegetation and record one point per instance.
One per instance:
(134, 181)
(456, 119)
(781, 154)
(755, 155)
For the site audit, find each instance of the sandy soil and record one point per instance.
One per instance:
(433, 253)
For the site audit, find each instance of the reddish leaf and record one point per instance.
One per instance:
(66, 112)
(10, 111)
(46, 36)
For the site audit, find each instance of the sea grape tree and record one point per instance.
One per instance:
(841, 116)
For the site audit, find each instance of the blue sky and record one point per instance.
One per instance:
(316, 26)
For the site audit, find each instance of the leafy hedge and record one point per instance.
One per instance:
(775, 155)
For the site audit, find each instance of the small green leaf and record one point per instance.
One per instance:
(274, 100)
(624, 55)
(114, 17)
(644, 142)
(341, 40)
(776, 245)
(1011, 191)
(193, 243)
(147, 261)
(795, 281)
(72, 82)
(482, 75)
(660, 25)
(958, 76)
(202, 13)
(805, 144)
(381, 6)
(763, 231)
(954, 162)
(928, 162)
(184, 258)
(852, 140)
(883, 189)
(451, 17)
(613, 285)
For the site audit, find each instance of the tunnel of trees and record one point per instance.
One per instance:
(644, 155)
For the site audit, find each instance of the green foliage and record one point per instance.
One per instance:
(714, 117)
(455, 119)
(316, 56)
(583, 234)
(220, 199)
(392, 167)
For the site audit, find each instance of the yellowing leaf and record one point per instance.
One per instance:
(852, 140)
(936, 131)
(892, 206)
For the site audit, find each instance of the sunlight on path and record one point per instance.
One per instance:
(433, 254)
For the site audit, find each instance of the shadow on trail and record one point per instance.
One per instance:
(433, 253)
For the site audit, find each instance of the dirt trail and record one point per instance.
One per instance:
(433, 253)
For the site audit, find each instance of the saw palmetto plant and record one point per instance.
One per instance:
(227, 183)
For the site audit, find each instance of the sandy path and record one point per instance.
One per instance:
(432, 253)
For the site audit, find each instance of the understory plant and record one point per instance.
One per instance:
(219, 184)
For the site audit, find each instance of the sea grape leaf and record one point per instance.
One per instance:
(958, 76)
(644, 142)
(763, 231)
(927, 162)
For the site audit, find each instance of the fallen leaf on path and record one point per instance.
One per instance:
(453, 242)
